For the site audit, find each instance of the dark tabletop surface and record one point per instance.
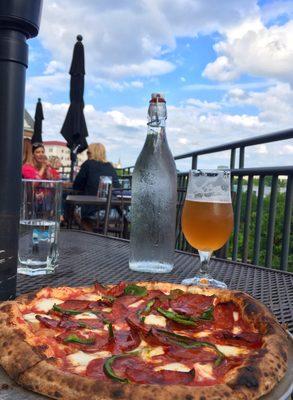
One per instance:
(94, 200)
(86, 258)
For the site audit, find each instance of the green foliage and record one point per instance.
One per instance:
(278, 228)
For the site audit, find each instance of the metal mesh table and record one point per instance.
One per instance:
(86, 258)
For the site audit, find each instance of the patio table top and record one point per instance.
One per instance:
(87, 257)
(95, 201)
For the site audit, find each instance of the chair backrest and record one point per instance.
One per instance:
(120, 222)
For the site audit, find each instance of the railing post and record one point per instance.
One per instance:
(237, 218)
(271, 224)
(247, 218)
(241, 157)
(259, 209)
(287, 224)
(232, 158)
(194, 162)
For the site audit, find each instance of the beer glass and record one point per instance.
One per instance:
(207, 219)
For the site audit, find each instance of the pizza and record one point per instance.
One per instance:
(146, 340)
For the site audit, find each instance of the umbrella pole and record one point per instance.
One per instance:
(18, 22)
(73, 157)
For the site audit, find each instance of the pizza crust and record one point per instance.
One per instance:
(30, 366)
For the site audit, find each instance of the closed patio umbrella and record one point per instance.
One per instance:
(74, 129)
(39, 116)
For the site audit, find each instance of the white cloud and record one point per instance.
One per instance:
(129, 37)
(251, 48)
(261, 149)
(222, 69)
(53, 67)
(147, 68)
(227, 86)
(47, 84)
(203, 104)
(287, 149)
(191, 126)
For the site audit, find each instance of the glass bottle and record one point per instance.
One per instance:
(154, 197)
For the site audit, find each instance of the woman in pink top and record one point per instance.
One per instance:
(39, 167)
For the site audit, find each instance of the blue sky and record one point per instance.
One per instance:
(224, 67)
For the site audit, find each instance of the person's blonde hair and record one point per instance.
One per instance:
(98, 152)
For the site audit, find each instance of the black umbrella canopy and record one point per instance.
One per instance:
(74, 129)
(39, 116)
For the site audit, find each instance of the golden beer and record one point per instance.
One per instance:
(207, 226)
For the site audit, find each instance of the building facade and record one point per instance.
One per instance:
(28, 126)
(59, 149)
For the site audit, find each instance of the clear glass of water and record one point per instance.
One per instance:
(104, 186)
(39, 227)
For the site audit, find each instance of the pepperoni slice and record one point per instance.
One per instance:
(95, 369)
(126, 340)
(142, 373)
(128, 300)
(92, 323)
(192, 304)
(223, 315)
(226, 365)
(200, 354)
(100, 288)
(48, 322)
(135, 324)
(250, 339)
(88, 323)
(68, 324)
(118, 313)
(100, 304)
(117, 290)
(77, 305)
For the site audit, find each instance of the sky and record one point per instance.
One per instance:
(225, 68)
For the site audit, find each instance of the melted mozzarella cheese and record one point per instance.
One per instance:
(202, 333)
(122, 326)
(147, 353)
(31, 317)
(46, 305)
(231, 350)
(153, 319)
(173, 367)
(107, 309)
(236, 330)
(235, 316)
(203, 371)
(81, 359)
(85, 315)
(90, 297)
(136, 304)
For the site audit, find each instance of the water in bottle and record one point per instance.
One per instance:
(154, 196)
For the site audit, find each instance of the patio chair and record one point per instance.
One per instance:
(117, 223)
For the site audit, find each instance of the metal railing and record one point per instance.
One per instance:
(262, 200)
(255, 234)
(237, 145)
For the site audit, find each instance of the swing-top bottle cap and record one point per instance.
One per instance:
(157, 97)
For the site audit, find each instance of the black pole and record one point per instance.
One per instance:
(73, 158)
(19, 21)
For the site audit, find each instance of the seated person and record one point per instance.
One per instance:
(87, 180)
(39, 167)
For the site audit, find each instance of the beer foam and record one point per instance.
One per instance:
(209, 186)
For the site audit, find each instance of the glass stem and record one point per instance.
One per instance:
(204, 262)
